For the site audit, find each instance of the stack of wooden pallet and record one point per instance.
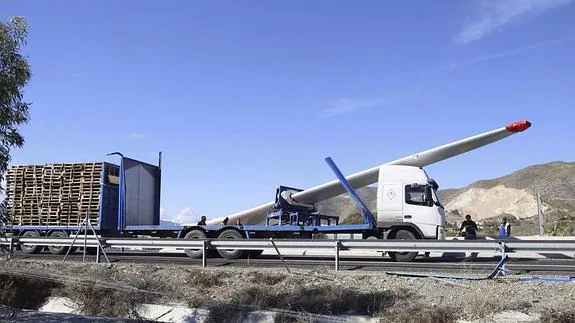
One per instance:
(55, 194)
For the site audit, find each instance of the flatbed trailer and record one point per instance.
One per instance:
(127, 203)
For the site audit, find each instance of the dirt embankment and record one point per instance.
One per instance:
(305, 295)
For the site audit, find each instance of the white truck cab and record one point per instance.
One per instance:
(407, 199)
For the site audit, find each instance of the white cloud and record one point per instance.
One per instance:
(185, 216)
(346, 105)
(137, 136)
(491, 15)
(514, 51)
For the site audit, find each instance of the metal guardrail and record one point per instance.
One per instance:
(558, 246)
(501, 246)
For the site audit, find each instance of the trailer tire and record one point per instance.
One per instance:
(194, 234)
(403, 256)
(30, 249)
(231, 253)
(58, 250)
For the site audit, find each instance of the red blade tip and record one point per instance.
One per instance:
(518, 126)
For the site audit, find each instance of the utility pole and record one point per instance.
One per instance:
(540, 214)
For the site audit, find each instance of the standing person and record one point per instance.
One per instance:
(468, 228)
(225, 221)
(202, 220)
(504, 229)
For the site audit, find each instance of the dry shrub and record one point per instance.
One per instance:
(198, 278)
(327, 300)
(283, 317)
(100, 300)
(257, 277)
(226, 313)
(558, 316)
(482, 305)
(419, 313)
(22, 292)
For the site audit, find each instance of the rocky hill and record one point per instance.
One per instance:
(512, 196)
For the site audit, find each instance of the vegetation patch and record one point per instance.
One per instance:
(558, 316)
(420, 313)
(328, 300)
(23, 292)
(100, 300)
(257, 277)
(203, 279)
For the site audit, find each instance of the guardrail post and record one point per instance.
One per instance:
(279, 254)
(336, 255)
(11, 250)
(503, 255)
(204, 254)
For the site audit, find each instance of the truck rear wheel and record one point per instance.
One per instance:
(30, 249)
(231, 253)
(403, 256)
(194, 234)
(58, 250)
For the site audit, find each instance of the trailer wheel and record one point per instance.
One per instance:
(231, 253)
(30, 249)
(403, 256)
(194, 234)
(58, 250)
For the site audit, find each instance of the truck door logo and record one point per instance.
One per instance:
(390, 194)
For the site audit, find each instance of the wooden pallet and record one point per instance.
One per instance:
(59, 193)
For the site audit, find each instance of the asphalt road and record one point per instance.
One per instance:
(475, 266)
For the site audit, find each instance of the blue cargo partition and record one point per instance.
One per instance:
(109, 198)
(139, 203)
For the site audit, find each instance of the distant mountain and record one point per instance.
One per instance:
(512, 196)
(515, 194)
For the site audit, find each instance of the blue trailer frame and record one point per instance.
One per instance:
(116, 223)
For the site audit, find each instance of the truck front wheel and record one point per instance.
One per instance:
(403, 256)
(231, 253)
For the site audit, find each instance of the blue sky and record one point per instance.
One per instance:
(242, 96)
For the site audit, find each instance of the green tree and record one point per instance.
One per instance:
(14, 75)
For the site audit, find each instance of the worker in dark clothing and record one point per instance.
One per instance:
(468, 228)
(202, 220)
(225, 221)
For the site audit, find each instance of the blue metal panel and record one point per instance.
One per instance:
(46, 228)
(154, 228)
(306, 228)
(109, 207)
(367, 216)
(122, 198)
(275, 228)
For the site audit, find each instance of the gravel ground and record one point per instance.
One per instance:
(398, 298)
